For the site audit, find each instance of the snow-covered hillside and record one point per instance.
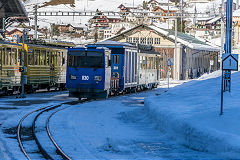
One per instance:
(190, 114)
(80, 5)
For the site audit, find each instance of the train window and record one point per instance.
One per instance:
(48, 58)
(8, 56)
(148, 63)
(3, 56)
(19, 57)
(30, 58)
(43, 57)
(52, 58)
(56, 58)
(63, 59)
(140, 62)
(144, 63)
(95, 60)
(59, 62)
(14, 56)
(36, 57)
(86, 60)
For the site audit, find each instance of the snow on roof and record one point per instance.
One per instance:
(182, 38)
(204, 18)
(31, 32)
(213, 20)
(236, 13)
(171, 8)
(110, 42)
(185, 39)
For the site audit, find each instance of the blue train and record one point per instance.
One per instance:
(111, 67)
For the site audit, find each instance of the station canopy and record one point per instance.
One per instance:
(13, 10)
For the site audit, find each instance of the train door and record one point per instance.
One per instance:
(116, 67)
(158, 68)
(52, 67)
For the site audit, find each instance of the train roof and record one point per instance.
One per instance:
(9, 43)
(112, 44)
(45, 46)
(88, 49)
(52, 43)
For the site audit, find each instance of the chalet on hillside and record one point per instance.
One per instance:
(102, 21)
(19, 31)
(65, 28)
(124, 8)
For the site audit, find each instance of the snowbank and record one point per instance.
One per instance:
(190, 114)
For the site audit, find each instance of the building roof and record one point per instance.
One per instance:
(114, 43)
(214, 20)
(236, 13)
(12, 8)
(182, 38)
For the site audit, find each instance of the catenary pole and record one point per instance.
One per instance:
(35, 21)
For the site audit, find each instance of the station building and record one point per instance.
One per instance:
(191, 58)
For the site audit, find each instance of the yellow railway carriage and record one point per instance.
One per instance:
(46, 67)
(10, 60)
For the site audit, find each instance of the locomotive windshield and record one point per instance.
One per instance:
(86, 59)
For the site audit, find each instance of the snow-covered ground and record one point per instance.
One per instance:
(190, 115)
(13, 109)
(179, 124)
(118, 128)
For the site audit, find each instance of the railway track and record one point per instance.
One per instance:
(38, 136)
(38, 131)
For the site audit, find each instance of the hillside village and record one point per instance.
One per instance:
(205, 27)
(101, 26)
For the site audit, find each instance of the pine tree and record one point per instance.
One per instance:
(145, 5)
(179, 25)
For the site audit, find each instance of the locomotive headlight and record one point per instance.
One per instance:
(97, 78)
(73, 77)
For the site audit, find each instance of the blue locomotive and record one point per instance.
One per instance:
(110, 67)
(88, 72)
(123, 65)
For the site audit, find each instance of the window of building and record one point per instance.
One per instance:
(157, 40)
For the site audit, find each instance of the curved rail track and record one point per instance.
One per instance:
(37, 113)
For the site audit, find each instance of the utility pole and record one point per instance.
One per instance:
(35, 21)
(175, 51)
(181, 14)
(222, 33)
(168, 14)
(3, 27)
(22, 95)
